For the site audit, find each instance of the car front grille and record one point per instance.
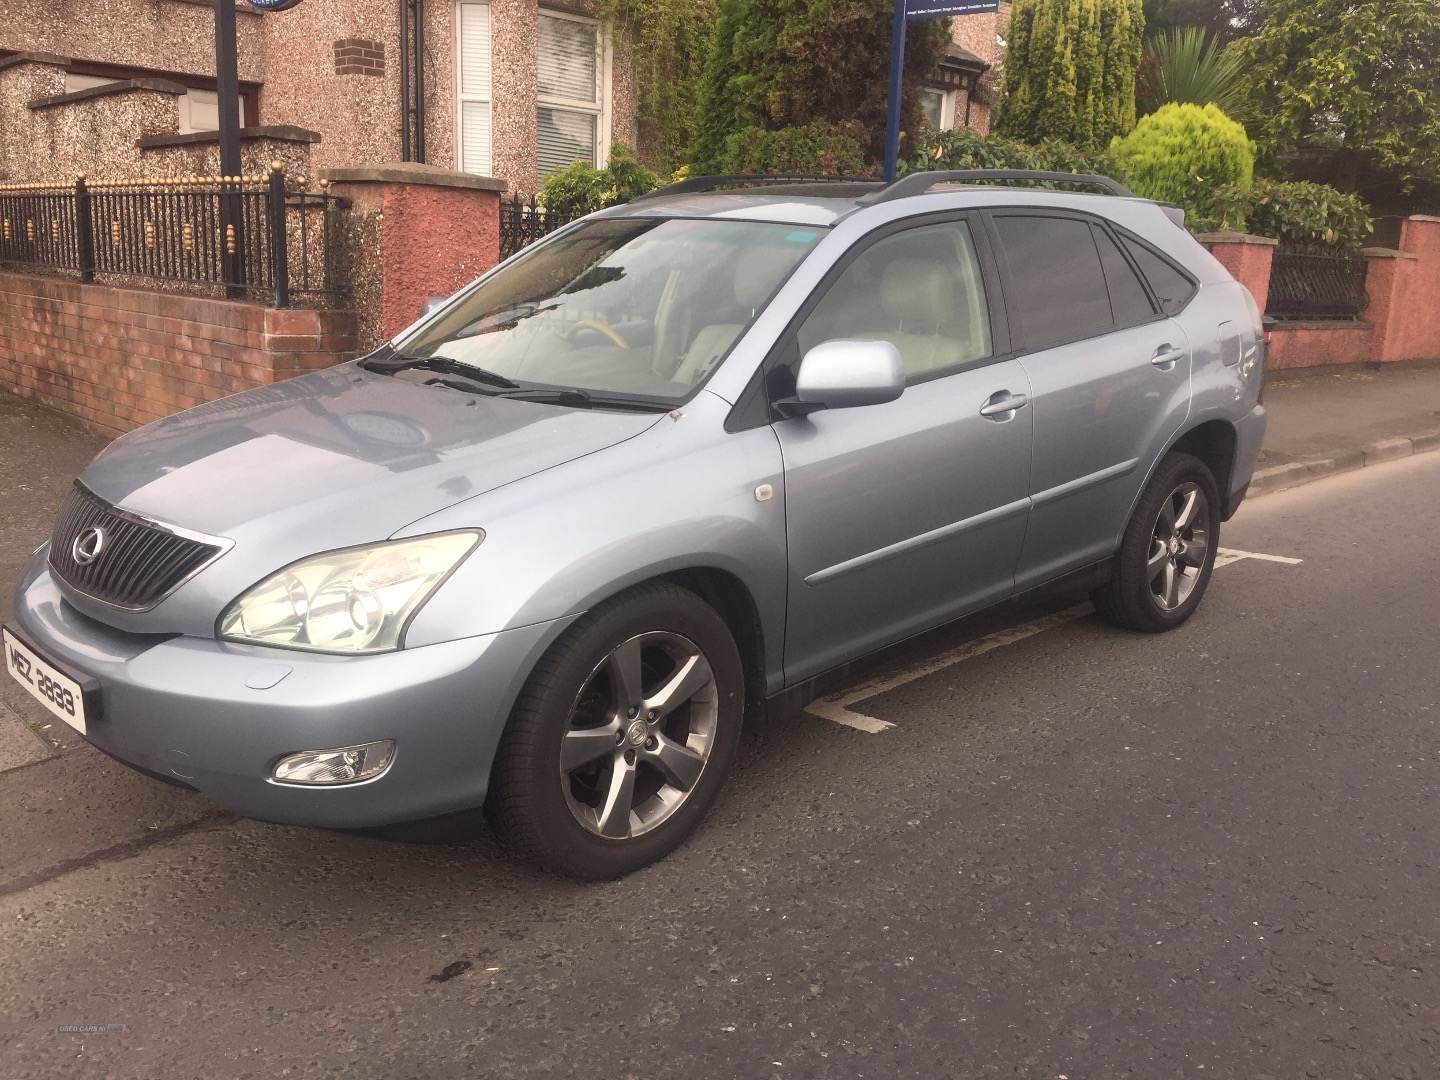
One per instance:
(138, 562)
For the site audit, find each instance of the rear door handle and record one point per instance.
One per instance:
(1002, 404)
(1166, 358)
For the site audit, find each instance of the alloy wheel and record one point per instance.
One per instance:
(1179, 546)
(639, 735)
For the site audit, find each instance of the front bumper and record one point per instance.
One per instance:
(217, 715)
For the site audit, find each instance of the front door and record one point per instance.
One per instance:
(903, 515)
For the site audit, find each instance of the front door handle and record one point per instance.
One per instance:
(1166, 358)
(1002, 405)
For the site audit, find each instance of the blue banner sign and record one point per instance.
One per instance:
(941, 9)
(273, 5)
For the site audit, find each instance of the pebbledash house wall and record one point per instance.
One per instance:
(982, 35)
(327, 68)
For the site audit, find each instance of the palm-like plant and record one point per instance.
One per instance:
(1188, 65)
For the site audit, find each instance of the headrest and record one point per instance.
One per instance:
(917, 291)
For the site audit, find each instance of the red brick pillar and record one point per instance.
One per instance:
(1419, 337)
(414, 231)
(1248, 258)
(1389, 275)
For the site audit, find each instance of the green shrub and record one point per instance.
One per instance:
(1306, 213)
(1186, 154)
(580, 188)
(1187, 64)
(962, 149)
(777, 64)
(820, 149)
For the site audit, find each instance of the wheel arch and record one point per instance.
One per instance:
(1213, 442)
(731, 598)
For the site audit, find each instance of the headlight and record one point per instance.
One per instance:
(356, 600)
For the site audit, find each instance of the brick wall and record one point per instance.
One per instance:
(1401, 320)
(359, 56)
(412, 232)
(118, 358)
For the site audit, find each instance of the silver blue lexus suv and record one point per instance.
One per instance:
(544, 550)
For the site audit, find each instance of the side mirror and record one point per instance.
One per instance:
(845, 375)
(432, 304)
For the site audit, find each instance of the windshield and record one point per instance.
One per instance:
(623, 306)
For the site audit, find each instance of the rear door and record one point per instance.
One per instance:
(1109, 375)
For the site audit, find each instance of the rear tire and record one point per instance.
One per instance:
(623, 736)
(1168, 551)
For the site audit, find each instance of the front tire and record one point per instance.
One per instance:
(623, 735)
(1167, 554)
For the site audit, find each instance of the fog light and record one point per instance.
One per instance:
(343, 765)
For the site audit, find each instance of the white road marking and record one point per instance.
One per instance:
(837, 708)
(1236, 556)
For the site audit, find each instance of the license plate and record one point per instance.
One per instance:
(47, 684)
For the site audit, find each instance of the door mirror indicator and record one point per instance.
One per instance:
(846, 374)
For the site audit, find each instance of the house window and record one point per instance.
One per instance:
(570, 114)
(200, 111)
(473, 87)
(938, 108)
(197, 110)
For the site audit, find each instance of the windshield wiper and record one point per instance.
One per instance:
(442, 364)
(580, 399)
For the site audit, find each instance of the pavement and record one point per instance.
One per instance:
(1346, 418)
(1066, 851)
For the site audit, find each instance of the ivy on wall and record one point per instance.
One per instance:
(671, 40)
(790, 64)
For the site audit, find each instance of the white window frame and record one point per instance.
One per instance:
(947, 105)
(460, 96)
(186, 104)
(600, 108)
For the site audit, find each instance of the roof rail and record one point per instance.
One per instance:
(920, 182)
(697, 184)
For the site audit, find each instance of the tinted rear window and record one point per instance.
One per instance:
(1057, 284)
(1172, 288)
(1128, 299)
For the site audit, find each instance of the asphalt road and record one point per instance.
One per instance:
(1083, 854)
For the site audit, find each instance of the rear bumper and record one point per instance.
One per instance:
(217, 716)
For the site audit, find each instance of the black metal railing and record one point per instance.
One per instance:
(1316, 283)
(523, 221)
(262, 237)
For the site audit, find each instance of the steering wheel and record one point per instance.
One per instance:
(600, 327)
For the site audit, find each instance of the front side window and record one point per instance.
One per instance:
(1057, 284)
(569, 94)
(920, 290)
(643, 307)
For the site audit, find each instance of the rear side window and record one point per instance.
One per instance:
(1128, 299)
(1057, 283)
(1172, 288)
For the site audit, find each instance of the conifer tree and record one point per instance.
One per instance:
(1070, 70)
